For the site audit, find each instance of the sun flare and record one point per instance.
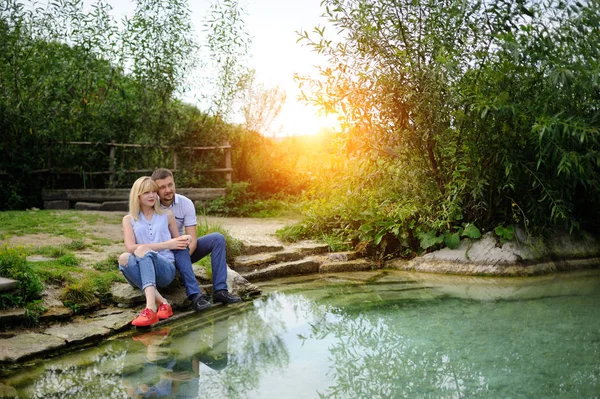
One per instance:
(304, 120)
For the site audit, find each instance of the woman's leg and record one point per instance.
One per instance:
(155, 271)
(145, 270)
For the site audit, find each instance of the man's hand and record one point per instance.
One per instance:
(181, 242)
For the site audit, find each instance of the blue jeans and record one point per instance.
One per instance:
(213, 244)
(151, 269)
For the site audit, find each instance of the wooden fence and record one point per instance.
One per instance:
(112, 171)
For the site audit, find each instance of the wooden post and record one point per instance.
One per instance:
(111, 165)
(174, 159)
(227, 161)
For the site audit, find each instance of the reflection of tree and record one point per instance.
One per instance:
(256, 346)
(91, 375)
(370, 360)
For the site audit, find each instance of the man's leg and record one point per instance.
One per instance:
(183, 263)
(215, 245)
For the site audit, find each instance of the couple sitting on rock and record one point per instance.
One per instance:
(156, 244)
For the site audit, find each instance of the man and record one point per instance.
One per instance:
(213, 244)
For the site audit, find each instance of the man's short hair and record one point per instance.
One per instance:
(161, 173)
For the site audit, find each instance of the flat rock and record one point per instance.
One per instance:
(27, 345)
(88, 206)
(358, 265)
(92, 327)
(343, 256)
(249, 248)
(7, 284)
(309, 247)
(240, 286)
(11, 316)
(125, 295)
(306, 266)
(250, 262)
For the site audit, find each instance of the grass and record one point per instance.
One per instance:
(81, 285)
(57, 223)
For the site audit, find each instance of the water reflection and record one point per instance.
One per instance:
(371, 340)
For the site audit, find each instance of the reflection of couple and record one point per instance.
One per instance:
(165, 367)
(160, 234)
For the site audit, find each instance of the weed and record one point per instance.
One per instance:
(111, 263)
(75, 245)
(292, 233)
(13, 265)
(33, 311)
(69, 260)
(79, 293)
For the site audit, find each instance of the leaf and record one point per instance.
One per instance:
(429, 239)
(471, 231)
(452, 240)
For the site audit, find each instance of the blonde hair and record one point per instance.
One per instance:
(142, 185)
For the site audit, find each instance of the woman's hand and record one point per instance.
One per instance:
(179, 242)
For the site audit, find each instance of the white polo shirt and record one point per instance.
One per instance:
(185, 212)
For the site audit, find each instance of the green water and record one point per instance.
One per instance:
(365, 335)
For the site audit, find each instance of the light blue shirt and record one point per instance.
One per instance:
(185, 212)
(153, 231)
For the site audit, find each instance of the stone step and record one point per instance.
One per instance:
(295, 268)
(248, 263)
(309, 248)
(253, 249)
(344, 256)
(7, 284)
(355, 265)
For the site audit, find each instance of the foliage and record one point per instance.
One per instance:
(68, 74)
(33, 311)
(458, 112)
(13, 265)
(228, 44)
(234, 246)
(505, 233)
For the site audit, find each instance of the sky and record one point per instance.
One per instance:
(275, 54)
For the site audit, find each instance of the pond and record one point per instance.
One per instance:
(360, 335)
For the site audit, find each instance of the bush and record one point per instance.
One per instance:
(13, 265)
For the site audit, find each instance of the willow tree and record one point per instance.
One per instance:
(467, 111)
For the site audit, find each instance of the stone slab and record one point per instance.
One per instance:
(120, 206)
(10, 317)
(306, 266)
(57, 204)
(7, 284)
(92, 327)
(350, 266)
(27, 345)
(125, 295)
(88, 206)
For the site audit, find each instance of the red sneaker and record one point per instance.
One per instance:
(165, 311)
(146, 318)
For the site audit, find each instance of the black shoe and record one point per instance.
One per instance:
(225, 297)
(199, 303)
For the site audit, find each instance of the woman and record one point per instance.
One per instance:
(150, 235)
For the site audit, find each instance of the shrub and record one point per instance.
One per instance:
(13, 265)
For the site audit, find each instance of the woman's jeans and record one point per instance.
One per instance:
(151, 269)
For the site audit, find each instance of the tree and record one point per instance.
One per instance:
(449, 104)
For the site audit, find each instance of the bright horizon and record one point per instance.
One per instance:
(275, 55)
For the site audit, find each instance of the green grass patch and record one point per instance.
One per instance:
(109, 264)
(13, 265)
(292, 233)
(57, 223)
(234, 246)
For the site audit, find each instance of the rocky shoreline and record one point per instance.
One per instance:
(61, 330)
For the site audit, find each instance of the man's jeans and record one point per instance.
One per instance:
(213, 244)
(151, 269)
